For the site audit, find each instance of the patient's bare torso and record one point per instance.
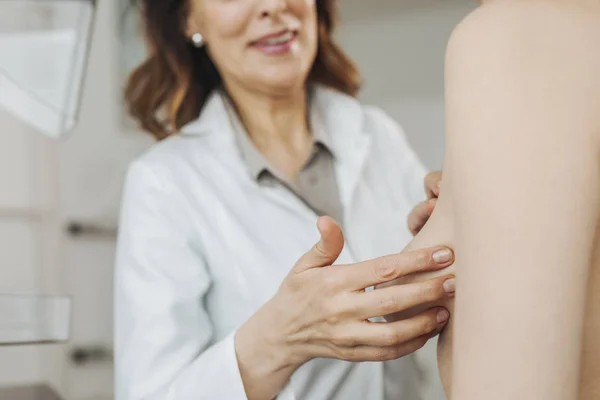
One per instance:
(439, 231)
(579, 21)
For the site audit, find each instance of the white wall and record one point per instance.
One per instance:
(400, 47)
(28, 260)
(44, 185)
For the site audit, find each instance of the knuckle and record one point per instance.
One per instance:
(338, 310)
(384, 353)
(412, 219)
(338, 339)
(389, 304)
(417, 217)
(338, 351)
(428, 325)
(398, 352)
(431, 291)
(385, 268)
(329, 281)
(320, 251)
(421, 259)
(332, 313)
(347, 354)
(391, 338)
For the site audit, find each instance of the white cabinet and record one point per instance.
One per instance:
(92, 165)
(16, 193)
(44, 185)
(28, 245)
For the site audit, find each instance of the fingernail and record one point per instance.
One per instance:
(442, 256)
(450, 285)
(442, 316)
(439, 184)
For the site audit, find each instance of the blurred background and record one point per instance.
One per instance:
(59, 200)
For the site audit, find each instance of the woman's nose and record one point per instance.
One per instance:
(272, 8)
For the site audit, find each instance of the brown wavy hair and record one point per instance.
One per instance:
(176, 78)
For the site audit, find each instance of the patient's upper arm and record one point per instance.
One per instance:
(523, 99)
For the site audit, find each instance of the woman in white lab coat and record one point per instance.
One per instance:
(221, 292)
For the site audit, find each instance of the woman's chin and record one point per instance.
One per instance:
(285, 87)
(282, 81)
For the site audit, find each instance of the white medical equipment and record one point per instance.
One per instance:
(43, 52)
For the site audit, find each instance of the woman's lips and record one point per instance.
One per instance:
(278, 43)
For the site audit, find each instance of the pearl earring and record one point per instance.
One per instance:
(198, 40)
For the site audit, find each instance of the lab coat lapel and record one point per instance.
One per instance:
(212, 119)
(349, 171)
(343, 116)
(218, 120)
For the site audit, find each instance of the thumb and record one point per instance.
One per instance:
(327, 249)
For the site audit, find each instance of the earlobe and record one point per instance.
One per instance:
(193, 34)
(197, 39)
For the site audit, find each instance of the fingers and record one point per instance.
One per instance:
(370, 353)
(327, 249)
(432, 181)
(399, 298)
(420, 215)
(387, 341)
(388, 268)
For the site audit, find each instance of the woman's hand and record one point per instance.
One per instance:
(422, 211)
(323, 311)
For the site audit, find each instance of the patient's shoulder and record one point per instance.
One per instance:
(535, 61)
(528, 30)
(532, 19)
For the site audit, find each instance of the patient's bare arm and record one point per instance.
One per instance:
(519, 202)
(520, 198)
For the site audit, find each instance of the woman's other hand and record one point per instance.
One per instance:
(422, 211)
(323, 311)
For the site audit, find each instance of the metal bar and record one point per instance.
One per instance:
(82, 229)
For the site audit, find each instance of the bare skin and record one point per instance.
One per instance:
(522, 173)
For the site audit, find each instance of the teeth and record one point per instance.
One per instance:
(286, 37)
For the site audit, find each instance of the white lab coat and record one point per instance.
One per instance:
(202, 246)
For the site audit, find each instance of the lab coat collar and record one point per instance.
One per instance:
(341, 115)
